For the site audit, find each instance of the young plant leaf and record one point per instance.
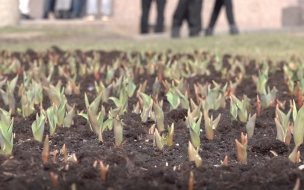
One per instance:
(38, 127)
(6, 135)
(170, 135)
(193, 155)
(298, 131)
(118, 131)
(159, 116)
(294, 157)
(157, 141)
(250, 126)
(46, 149)
(242, 149)
(51, 113)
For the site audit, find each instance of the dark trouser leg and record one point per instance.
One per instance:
(46, 8)
(178, 17)
(77, 8)
(145, 7)
(230, 17)
(52, 5)
(160, 16)
(194, 17)
(229, 12)
(215, 13)
(216, 10)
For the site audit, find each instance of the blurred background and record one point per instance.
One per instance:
(67, 23)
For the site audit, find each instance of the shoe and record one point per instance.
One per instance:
(51, 16)
(25, 17)
(89, 18)
(158, 29)
(175, 33)
(209, 32)
(105, 18)
(234, 30)
(194, 34)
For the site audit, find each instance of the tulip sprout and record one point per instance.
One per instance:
(297, 184)
(295, 155)
(298, 131)
(103, 171)
(173, 98)
(159, 116)
(191, 181)
(215, 97)
(193, 155)
(283, 125)
(147, 103)
(242, 149)
(38, 127)
(210, 125)
(250, 125)
(54, 93)
(225, 161)
(129, 85)
(54, 179)
(158, 140)
(170, 135)
(268, 98)
(6, 132)
(45, 152)
(8, 95)
(94, 105)
(105, 91)
(51, 114)
(194, 128)
(261, 81)
(122, 102)
(118, 131)
(64, 151)
(239, 109)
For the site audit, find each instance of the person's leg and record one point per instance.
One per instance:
(160, 16)
(24, 9)
(46, 8)
(230, 17)
(91, 7)
(195, 17)
(52, 6)
(76, 8)
(144, 24)
(215, 13)
(106, 7)
(178, 17)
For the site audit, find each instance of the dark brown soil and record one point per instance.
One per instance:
(137, 164)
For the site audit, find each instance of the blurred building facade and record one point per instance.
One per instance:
(249, 14)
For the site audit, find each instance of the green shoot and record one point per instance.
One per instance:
(38, 127)
(193, 155)
(250, 125)
(210, 125)
(6, 132)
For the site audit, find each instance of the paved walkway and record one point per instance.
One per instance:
(81, 30)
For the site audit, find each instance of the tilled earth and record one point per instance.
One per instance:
(137, 164)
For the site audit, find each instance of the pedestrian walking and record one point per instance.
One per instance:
(49, 9)
(63, 9)
(189, 10)
(144, 23)
(24, 9)
(229, 14)
(104, 8)
(77, 8)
